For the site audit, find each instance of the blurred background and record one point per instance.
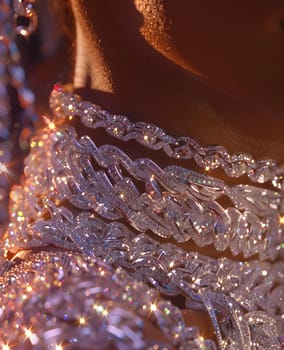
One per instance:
(47, 54)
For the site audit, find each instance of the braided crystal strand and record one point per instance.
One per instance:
(211, 157)
(257, 287)
(12, 76)
(25, 9)
(94, 308)
(221, 287)
(178, 203)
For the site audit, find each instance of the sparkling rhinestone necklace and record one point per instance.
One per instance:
(188, 202)
(16, 107)
(99, 185)
(84, 201)
(210, 157)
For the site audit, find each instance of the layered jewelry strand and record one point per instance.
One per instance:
(16, 113)
(84, 199)
(94, 255)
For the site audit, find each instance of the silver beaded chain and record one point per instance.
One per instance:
(85, 199)
(65, 104)
(88, 177)
(16, 112)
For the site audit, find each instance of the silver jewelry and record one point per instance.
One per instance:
(178, 203)
(82, 197)
(208, 158)
(110, 308)
(24, 10)
(95, 206)
(16, 107)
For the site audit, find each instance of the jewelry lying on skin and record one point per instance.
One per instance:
(210, 157)
(184, 200)
(84, 208)
(77, 198)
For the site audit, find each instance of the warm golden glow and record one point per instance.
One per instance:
(29, 289)
(105, 312)
(82, 321)
(281, 220)
(28, 333)
(31, 336)
(6, 347)
(3, 168)
(50, 124)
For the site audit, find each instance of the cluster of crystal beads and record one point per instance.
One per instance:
(62, 300)
(14, 109)
(80, 196)
(65, 104)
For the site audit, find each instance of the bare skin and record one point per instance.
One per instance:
(212, 72)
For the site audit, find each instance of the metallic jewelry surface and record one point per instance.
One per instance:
(24, 9)
(188, 202)
(85, 199)
(16, 107)
(210, 157)
(83, 208)
(80, 303)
